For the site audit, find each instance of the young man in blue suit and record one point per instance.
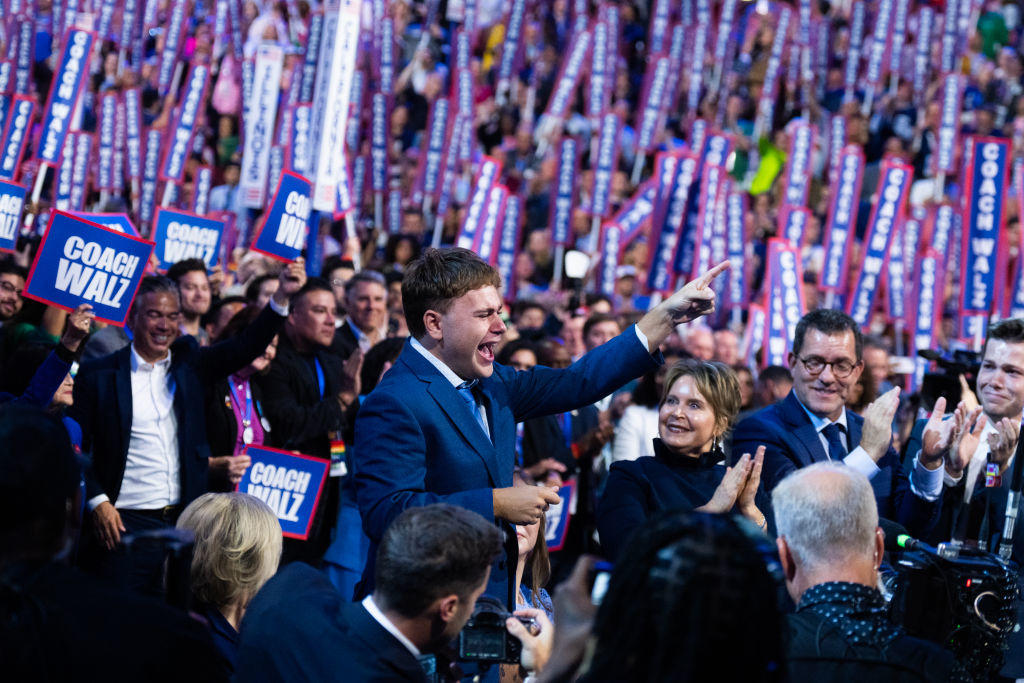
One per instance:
(143, 419)
(812, 424)
(440, 426)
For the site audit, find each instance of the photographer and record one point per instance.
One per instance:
(830, 547)
(432, 564)
(977, 447)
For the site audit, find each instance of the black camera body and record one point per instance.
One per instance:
(963, 599)
(484, 638)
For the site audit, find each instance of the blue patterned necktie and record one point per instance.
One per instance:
(466, 392)
(836, 442)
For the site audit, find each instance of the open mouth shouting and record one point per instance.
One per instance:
(486, 351)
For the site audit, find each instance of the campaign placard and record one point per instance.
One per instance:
(118, 221)
(290, 483)
(180, 235)
(283, 235)
(12, 200)
(556, 523)
(82, 262)
(64, 91)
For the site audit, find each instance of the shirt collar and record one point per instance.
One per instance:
(379, 617)
(359, 334)
(448, 373)
(138, 363)
(821, 422)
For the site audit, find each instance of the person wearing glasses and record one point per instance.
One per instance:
(812, 424)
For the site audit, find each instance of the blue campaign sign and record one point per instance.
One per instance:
(557, 517)
(118, 221)
(180, 235)
(283, 234)
(81, 262)
(12, 200)
(289, 483)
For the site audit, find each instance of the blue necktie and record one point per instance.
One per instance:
(836, 445)
(466, 392)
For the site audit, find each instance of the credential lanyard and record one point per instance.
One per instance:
(319, 375)
(247, 420)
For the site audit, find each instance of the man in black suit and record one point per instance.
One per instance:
(812, 424)
(366, 314)
(310, 401)
(141, 410)
(432, 564)
(978, 447)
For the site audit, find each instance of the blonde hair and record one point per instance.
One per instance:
(716, 382)
(237, 548)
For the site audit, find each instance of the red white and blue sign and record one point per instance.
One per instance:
(290, 483)
(283, 235)
(12, 201)
(557, 518)
(67, 84)
(984, 262)
(181, 235)
(81, 262)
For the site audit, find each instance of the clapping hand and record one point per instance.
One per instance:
(966, 439)
(938, 435)
(739, 484)
(1002, 443)
(878, 418)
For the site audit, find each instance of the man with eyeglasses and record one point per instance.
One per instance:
(142, 413)
(812, 424)
(12, 281)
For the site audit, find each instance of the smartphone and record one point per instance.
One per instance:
(600, 576)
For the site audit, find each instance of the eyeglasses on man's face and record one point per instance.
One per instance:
(841, 368)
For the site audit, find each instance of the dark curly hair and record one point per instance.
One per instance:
(692, 600)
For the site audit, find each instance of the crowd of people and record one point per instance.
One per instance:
(491, 433)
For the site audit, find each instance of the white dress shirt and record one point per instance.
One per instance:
(379, 617)
(448, 373)
(364, 341)
(151, 474)
(924, 483)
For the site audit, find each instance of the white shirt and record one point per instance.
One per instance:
(635, 433)
(364, 341)
(924, 483)
(375, 612)
(151, 474)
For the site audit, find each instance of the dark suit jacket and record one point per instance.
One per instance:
(300, 419)
(298, 628)
(418, 443)
(344, 342)
(103, 404)
(791, 442)
(543, 437)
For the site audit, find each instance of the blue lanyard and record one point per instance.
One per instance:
(319, 376)
(247, 420)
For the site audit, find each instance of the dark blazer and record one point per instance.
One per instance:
(418, 443)
(299, 418)
(344, 342)
(299, 628)
(791, 442)
(103, 404)
(543, 437)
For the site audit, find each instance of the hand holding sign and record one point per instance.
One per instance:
(290, 280)
(79, 323)
(693, 300)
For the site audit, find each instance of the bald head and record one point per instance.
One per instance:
(827, 522)
(699, 343)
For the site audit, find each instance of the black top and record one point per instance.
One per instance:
(225, 637)
(840, 632)
(638, 489)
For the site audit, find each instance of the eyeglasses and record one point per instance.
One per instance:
(9, 288)
(815, 365)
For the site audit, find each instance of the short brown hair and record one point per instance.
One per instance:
(716, 382)
(1010, 330)
(438, 277)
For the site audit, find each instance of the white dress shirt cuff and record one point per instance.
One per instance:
(95, 501)
(926, 483)
(278, 308)
(643, 339)
(949, 480)
(859, 460)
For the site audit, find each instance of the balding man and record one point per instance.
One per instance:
(830, 547)
(699, 343)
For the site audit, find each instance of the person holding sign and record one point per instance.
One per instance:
(142, 415)
(440, 426)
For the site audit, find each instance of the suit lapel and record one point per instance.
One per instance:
(805, 440)
(123, 395)
(449, 401)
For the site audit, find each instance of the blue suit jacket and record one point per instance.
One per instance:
(418, 443)
(791, 442)
(103, 404)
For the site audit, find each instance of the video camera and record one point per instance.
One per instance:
(484, 638)
(946, 382)
(965, 599)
